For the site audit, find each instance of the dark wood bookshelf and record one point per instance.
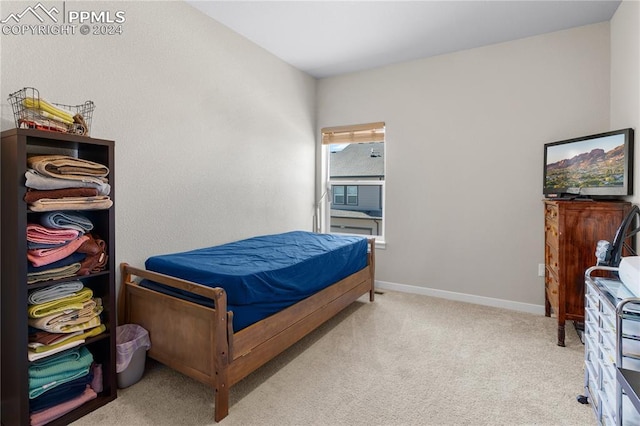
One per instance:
(16, 146)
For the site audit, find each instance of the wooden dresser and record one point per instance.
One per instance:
(572, 230)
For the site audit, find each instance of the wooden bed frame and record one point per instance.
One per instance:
(199, 341)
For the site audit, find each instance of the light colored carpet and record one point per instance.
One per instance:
(402, 360)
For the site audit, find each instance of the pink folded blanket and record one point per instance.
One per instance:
(41, 257)
(41, 234)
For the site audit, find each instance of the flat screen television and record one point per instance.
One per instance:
(594, 166)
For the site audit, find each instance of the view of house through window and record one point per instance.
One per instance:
(350, 198)
(356, 179)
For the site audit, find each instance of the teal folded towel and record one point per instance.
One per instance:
(47, 373)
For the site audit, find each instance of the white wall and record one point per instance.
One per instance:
(465, 135)
(214, 136)
(625, 77)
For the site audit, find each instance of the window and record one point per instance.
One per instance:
(339, 197)
(355, 178)
(338, 194)
(352, 195)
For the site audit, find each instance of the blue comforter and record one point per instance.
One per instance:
(265, 274)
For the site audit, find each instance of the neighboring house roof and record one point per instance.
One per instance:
(358, 160)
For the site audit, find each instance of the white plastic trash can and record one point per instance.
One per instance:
(132, 343)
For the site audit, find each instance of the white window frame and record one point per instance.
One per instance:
(322, 218)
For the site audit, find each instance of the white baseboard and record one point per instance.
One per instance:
(462, 297)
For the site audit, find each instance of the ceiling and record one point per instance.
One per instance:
(328, 38)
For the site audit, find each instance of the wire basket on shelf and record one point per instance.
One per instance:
(32, 112)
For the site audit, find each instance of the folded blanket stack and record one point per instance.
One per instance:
(63, 316)
(53, 371)
(45, 416)
(60, 383)
(62, 393)
(60, 246)
(61, 182)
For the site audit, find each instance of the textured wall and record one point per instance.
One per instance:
(214, 136)
(625, 77)
(464, 152)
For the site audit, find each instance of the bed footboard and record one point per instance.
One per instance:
(190, 338)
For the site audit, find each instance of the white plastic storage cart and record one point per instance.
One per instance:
(612, 349)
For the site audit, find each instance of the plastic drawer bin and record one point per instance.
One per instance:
(132, 343)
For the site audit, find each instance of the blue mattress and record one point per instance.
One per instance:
(263, 275)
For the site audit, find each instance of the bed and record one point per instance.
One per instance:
(194, 304)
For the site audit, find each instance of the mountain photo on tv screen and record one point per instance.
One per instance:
(594, 166)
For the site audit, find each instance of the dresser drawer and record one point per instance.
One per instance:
(551, 286)
(551, 213)
(551, 258)
(551, 234)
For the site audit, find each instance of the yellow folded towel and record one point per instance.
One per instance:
(66, 303)
(53, 117)
(62, 327)
(41, 104)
